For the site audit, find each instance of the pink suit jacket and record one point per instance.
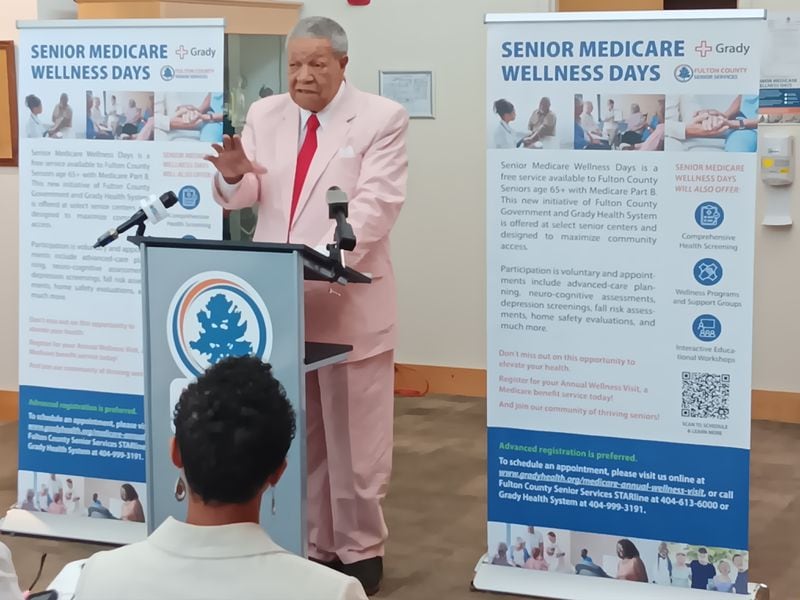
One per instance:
(362, 150)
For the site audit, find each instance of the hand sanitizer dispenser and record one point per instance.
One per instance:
(777, 160)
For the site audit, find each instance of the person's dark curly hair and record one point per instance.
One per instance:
(233, 428)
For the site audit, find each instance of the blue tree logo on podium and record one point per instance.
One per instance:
(214, 315)
(223, 331)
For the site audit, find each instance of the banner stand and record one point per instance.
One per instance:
(38, 524)
(492, 578)
(112, 114)
(620, 302)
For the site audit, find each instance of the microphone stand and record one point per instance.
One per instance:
(335, 253)
(343, 238)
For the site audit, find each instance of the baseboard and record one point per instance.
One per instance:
(9, 405)
(783, 407)
(419, 380)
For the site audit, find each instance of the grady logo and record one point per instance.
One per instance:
(207, 52)
(704, 49)
(214, 315)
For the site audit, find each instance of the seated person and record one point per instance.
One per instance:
(536, 561)
(101, 130)
(655, 141)
(590, 126)
(28, 503)
(57, 506)
(658, 119)
(233, 428)
(9, 585)
(542, 124)
(581, 139)
(133, 114)
(636, 124)
(131, 132)
(97, 510)
(501, 558)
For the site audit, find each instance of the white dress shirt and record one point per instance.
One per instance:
(9, 586)
(323, 117)
(227, 562)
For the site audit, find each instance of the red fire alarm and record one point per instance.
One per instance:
(358, 2)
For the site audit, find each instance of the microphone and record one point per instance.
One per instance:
(154, 209)
(337, 209)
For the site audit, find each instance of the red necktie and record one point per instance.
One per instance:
(304, 157)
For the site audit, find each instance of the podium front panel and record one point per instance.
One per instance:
(199, 305)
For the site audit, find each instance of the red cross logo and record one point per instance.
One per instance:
(181, 52)
(703, 48)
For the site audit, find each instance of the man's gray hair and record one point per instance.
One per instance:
(321, 28)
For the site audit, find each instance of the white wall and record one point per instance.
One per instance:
(777, 298)
(777, 291)
(9, 226)
(57, 9)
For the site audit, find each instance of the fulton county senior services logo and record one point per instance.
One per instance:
(684, 73)
(215, 315)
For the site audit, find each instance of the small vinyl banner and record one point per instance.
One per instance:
(111, 113)
(621, 186)
(780, 69)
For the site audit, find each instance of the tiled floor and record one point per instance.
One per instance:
(436, 507)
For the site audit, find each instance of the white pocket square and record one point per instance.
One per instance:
(346, 152)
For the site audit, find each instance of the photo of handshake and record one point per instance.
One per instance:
(191, 115)
(713, 122)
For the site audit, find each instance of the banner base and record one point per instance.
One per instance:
(82, 529)
(524, 582)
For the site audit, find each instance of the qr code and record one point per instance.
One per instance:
(705, 395)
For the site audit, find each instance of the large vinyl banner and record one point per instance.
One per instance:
(621, 174)
(111, 112)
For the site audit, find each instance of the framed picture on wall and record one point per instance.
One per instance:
(412, 89)
(9, 131)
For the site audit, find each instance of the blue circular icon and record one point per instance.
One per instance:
(189, 197)
(167, 73)
(707, 328)
(684, 73)
(709, 215)
(708, 271)
(189, 237)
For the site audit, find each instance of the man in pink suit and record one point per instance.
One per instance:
(294, 147)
